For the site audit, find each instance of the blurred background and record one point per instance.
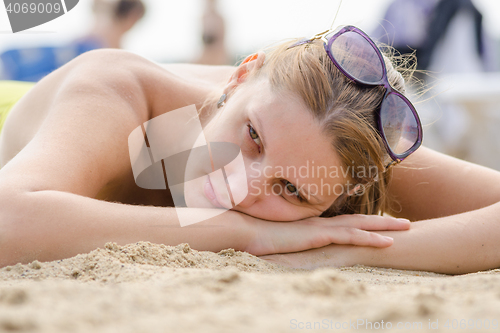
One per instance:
(457, 44)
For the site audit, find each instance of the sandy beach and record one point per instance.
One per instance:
(145, 287)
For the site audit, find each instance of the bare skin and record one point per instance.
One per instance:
(68, 187)
(455, 205)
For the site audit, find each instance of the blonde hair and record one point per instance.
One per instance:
(346, 112)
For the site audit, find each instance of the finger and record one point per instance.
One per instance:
(305, 235)
(354, 236)
(370, 222)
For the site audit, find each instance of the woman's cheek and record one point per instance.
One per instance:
(280, 210)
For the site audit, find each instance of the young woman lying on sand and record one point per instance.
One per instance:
(67, 187)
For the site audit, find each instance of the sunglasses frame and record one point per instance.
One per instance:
(384, 81)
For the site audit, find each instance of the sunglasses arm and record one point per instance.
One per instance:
(321, 35)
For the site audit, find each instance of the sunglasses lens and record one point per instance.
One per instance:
(399, 124)
(357, 57)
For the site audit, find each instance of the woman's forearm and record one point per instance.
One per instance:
(49, 225)
(462, 243)
(456, 244)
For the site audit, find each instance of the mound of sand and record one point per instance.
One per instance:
(146, 287)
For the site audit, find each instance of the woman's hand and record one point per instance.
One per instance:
(316, 232)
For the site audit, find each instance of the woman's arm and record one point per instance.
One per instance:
(48, 225)
(430, 185)
(457, 244)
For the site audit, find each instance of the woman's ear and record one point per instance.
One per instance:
(354, 190)
(251, 63)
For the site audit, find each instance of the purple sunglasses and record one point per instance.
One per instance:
(360, 60)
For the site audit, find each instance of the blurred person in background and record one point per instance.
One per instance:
(456, 40)
(112, 20)
(213, 36)
(405, 33)
(454, 52)
(447, 35)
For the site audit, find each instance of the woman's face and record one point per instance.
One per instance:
(291, 170)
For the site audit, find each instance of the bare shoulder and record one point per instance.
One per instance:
(70, 131)
(116, 72)
(430, 184)
(111, 75)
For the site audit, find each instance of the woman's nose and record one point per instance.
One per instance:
(247, 184)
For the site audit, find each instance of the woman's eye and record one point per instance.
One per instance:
(254, 135)
(291, 189)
